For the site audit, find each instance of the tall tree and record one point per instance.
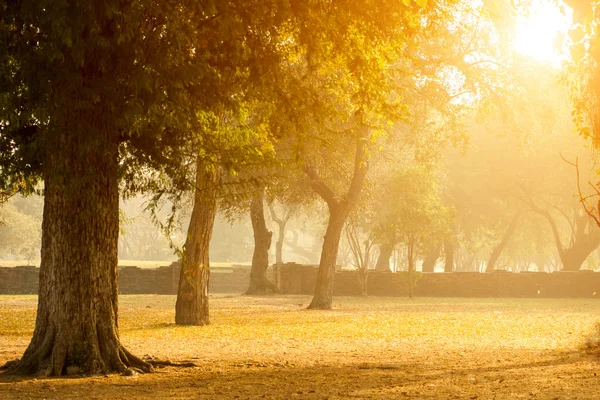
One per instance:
(97, 93)
(191, 307)
(262, 242)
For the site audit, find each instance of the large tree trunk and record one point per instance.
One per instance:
(585, 239)
(191, 307)
(449, 252)
(323, 297)
(76, 328)
(383, 260)
(259, 284)
(498, 249)
(431, 258)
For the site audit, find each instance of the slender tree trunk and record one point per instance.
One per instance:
(431, 258)
(279, 243)
(76, 329)
(383, 260)
(339, 209)
(259, 284)
(191, 307)
(449, 251)
(323, 297)
(363, 280)
(498, 249)
(281, 223)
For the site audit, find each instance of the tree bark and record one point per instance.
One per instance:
(449, 252)
(383, 260)
(76, 329)
(191, 307)
(323, 297)
(259, 284)
(498, 249)
(339, 209)
(431, 258)
(281, 223)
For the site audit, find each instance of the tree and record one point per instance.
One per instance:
(262, 242)
(417, 217)
(98, 93)
(191, 307)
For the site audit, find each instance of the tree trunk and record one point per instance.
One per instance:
(573, 258)
(383, 260)
(584, 240)
(323, 297)
(279, 243)
(76, 329)
(498, 249)
(449, 251)
(363, 280)
(281, 223)
(191, 307)
(339, 209)
(259, 284)
(411, 270)
(431, 258)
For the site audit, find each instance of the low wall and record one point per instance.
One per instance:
(301, 279)
(135, 280)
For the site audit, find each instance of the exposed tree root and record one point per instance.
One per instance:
(319, 305)
(265, 287)
(168, 363)
(56, 362)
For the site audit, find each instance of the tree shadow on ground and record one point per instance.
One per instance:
(556, 375)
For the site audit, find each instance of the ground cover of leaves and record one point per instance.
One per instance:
(271, 347)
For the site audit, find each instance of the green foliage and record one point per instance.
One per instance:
(412, 211)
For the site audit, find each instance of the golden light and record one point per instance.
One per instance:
(538, 33)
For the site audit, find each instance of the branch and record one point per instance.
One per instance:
(548, 217)
(589, 211)
(360, 168)
(320, 187)
(274, 214)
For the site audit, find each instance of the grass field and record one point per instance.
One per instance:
(366, 348)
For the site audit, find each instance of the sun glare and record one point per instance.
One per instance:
(538, 33)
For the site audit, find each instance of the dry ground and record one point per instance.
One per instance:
(366, 348)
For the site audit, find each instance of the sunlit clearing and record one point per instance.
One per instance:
(539, 31)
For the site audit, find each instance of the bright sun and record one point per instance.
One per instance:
(536, 33)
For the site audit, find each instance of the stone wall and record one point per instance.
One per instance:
(301, 279)
(135, 280)
(19, 280)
